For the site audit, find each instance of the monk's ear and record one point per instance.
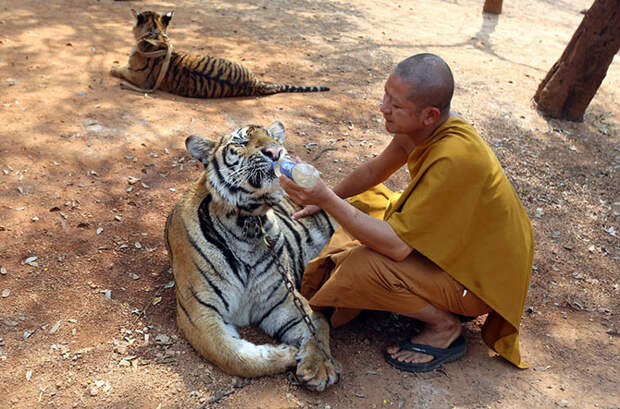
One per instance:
(430, 116)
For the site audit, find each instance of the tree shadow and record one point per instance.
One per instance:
(481, 41)
(565, 5)
(489, 22)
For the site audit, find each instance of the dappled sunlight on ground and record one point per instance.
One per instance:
(89, 172)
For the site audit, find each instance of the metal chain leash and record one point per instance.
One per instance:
(290, 288)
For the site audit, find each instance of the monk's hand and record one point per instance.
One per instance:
(306, 211)
(309, 198)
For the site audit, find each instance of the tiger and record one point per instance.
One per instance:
(153, 63)
(227, 277)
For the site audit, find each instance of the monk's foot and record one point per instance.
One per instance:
(439, 335)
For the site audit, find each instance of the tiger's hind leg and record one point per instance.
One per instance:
(284, 322)
(220, 343)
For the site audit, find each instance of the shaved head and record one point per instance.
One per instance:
(431, 80)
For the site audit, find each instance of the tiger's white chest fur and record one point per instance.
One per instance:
(237, 247)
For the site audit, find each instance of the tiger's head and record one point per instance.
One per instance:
(152, 25)
(238, 167)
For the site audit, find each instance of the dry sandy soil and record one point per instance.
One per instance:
(81, 249)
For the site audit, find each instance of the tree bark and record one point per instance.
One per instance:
(573, 80)
(492, 6)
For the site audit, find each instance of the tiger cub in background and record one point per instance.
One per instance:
(225, 274)
(188, 75)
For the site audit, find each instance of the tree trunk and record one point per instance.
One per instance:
(492, 6)
(573, 80)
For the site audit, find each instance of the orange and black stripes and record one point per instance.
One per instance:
(211, 77)
(188, 75)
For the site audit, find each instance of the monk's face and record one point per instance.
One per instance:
(401, 115)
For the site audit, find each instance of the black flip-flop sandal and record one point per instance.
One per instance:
(442, 355)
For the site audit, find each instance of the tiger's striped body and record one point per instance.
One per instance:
(199, 76)
(225, 274)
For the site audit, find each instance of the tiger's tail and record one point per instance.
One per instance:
(270, 89)
(220, 343)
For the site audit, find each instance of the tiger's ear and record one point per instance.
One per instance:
(276, 131)
(199, 147)
(167, 17)
(139, 17)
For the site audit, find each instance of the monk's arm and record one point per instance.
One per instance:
(374, 233)
(369, 174)
(374, 171)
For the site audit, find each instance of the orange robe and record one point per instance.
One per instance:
(461, 212)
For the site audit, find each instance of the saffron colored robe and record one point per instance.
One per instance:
(461, 212)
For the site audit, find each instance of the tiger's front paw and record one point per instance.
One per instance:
(118, 72)
(314, 370)
(115, 72)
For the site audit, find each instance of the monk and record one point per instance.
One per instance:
(455, 243)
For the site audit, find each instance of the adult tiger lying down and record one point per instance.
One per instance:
(226, 275)
(154, 63)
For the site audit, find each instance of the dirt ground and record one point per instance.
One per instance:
(81, 249)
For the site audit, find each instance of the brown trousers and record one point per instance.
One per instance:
(353, 277)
